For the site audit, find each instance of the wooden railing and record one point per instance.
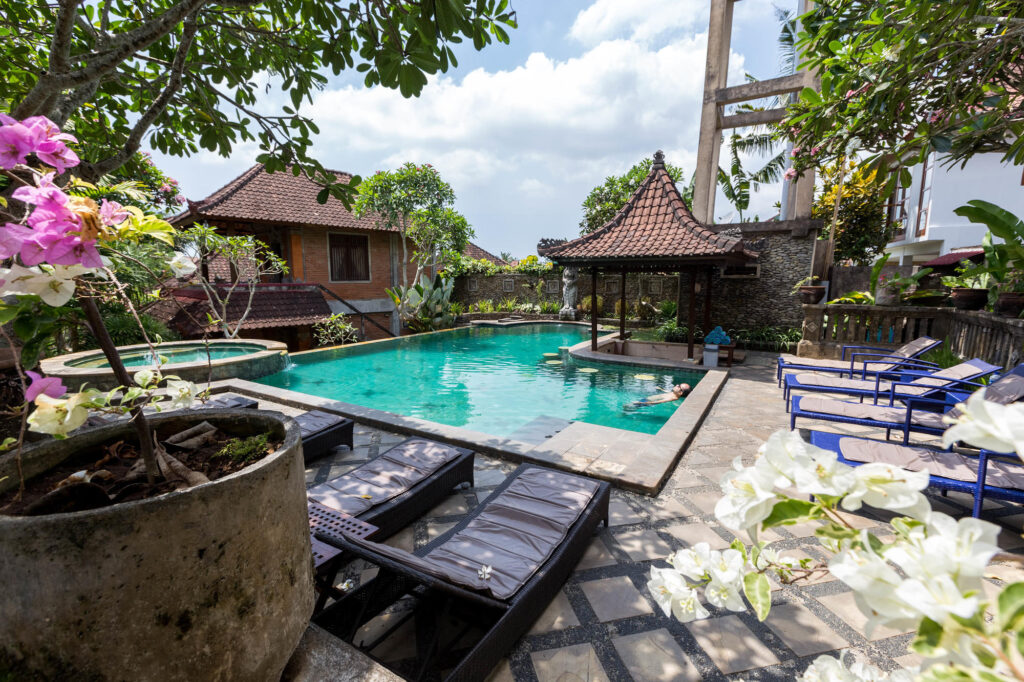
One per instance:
(969, 334)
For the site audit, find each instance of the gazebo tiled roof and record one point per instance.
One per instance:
(655, 226)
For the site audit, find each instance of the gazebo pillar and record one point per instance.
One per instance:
(692, 318)
(679, 299)
(593, 309)
(622, 305)
(707, 300)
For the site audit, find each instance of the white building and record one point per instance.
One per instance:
(925, 209)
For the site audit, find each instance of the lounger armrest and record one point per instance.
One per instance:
(874, 348)
(948, 384)
(895, 364)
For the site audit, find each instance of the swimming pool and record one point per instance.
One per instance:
(488, 379)
(192, 352)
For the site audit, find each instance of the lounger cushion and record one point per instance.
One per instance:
(921, 385)
(514, 534)
(1008, 389)
(383, 478)
(951, 465)
(879, 413)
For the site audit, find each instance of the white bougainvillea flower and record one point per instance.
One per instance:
(781, 455)
(938, 598)
(947, 547)
(727, 566)
(666, 585)
(825, 475)
(875, 585)
(724, 595)
(686, 606)
(693, 562)
(987, 425)
(19, 280)
(181, 265)
(748, 498)
(58, 416)
(885, 486)
(181, 393)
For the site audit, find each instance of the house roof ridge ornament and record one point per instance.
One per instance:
(659, 159)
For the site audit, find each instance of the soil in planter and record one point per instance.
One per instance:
(115, 473)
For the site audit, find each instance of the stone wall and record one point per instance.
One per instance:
(737, 302)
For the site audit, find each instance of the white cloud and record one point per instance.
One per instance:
(637, 20)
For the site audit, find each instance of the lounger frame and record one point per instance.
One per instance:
(906, 426)
(830, 441)
(510, 618)
(862, 352)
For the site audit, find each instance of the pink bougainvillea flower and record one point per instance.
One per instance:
(165, 187)
(790, 174)
(51, 386)
(17, 141)
(180, 199)
(12, 238)
(795, 152)
(815, 150)
(112, 213)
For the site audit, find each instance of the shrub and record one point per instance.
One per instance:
(483, 306)
(456, 308)
(550, 307)
(584, 306)
(667, 310)
(335, 330)
(669, 331)
(507, 304)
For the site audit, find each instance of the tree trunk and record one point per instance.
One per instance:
(92, 314)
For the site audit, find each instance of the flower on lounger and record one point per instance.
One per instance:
(987, 425)
(485, 572)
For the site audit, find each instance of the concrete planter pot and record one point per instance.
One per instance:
(965, 298)
(811, 295)
(886, 296)
(212, 582)
(1009, 303)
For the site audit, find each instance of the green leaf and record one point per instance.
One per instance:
(758, 593)
(928, 638)
(788, 512)
(1011, 606)
(835, 531)
(8, 313)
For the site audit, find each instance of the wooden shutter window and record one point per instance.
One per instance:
(350, 257)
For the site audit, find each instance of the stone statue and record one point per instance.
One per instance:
(568, 311)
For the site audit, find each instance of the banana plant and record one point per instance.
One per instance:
(1003, 262)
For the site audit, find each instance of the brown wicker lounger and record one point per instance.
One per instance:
(497, 570)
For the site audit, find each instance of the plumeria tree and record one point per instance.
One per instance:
(928, 577)
(57, 245)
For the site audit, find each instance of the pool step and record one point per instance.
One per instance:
(538, 430)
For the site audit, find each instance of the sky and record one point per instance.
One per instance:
(523, 132)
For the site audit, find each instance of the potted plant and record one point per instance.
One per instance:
(926, 297)
(128, 559)
(1010, 296)
(809, 291)
(968, 288)
(717, 337)
(891, 288)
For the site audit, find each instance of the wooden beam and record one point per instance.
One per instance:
(622, 306)
(693, 312)
(752, 118)
(679, 300)
(760, 89)
(716, 72)
(593, 309)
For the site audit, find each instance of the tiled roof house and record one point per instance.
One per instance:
(476, 253)
(332, 255)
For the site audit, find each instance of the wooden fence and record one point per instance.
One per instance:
(969, 334)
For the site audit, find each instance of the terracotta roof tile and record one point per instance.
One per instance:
(476, 253)
(257, 195)
(654, 223)
(274, 305)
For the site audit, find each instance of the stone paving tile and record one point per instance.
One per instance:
(568, 664)
(557, 616)
(801, 630)
(731, 645)
(602, 626)
(643, 545)
(655, 656)
(615, 598)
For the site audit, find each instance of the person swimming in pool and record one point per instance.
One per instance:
(678, 392)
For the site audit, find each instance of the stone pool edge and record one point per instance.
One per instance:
(634, 461)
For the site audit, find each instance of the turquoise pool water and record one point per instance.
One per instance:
(494, 380)
(175, 354)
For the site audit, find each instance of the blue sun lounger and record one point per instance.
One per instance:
(918, 414)
(863, 359)
(987, 474)
(907, 384)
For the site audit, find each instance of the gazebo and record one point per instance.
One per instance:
(653, 232)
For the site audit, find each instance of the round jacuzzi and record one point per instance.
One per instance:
(195, 361)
